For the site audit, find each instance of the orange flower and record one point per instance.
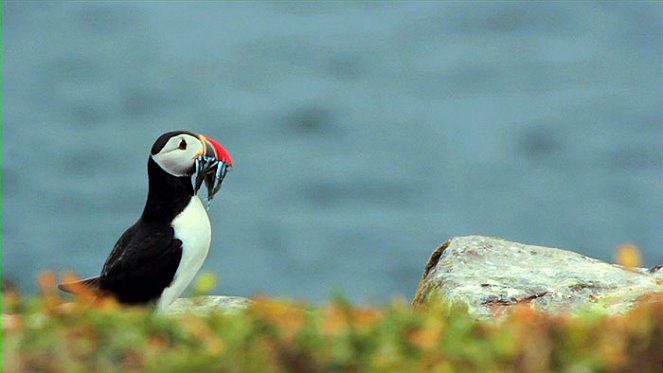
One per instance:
(426, 338)
(628, 255)
(334, 321)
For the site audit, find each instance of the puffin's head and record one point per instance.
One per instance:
(186, 154)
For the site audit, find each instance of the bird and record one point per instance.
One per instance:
(156, 258)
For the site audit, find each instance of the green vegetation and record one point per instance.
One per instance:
(279, 336)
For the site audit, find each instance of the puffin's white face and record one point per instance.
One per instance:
(178, 155)
(184, 154)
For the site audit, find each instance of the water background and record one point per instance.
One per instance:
(363, 134)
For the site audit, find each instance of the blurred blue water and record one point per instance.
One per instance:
(363, 134)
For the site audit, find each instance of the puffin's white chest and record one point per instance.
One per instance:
(192, 227)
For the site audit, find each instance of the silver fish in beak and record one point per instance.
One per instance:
(211, 166)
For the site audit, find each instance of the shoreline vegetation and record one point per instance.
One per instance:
(285, 336)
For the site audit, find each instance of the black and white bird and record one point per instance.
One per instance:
(157, 257)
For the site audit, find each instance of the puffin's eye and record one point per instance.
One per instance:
(182, 145)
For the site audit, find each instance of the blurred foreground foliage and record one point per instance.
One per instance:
(282, 336)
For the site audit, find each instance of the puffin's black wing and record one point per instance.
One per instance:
(142, 264)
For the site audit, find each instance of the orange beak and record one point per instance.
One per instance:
(214, 149)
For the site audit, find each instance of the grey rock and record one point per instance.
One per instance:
(207, 304)
(489, 275)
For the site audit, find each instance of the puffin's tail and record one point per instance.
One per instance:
(86, 286)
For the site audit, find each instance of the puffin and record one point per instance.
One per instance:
(155, 259)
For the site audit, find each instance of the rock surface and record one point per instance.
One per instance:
(207, 304)
(490, 274)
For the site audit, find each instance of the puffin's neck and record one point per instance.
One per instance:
(168, 195)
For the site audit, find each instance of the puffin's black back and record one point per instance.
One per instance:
(142, 264)
(145, 258)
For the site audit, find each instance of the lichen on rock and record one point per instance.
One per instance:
(207, 304)
(490, 275)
